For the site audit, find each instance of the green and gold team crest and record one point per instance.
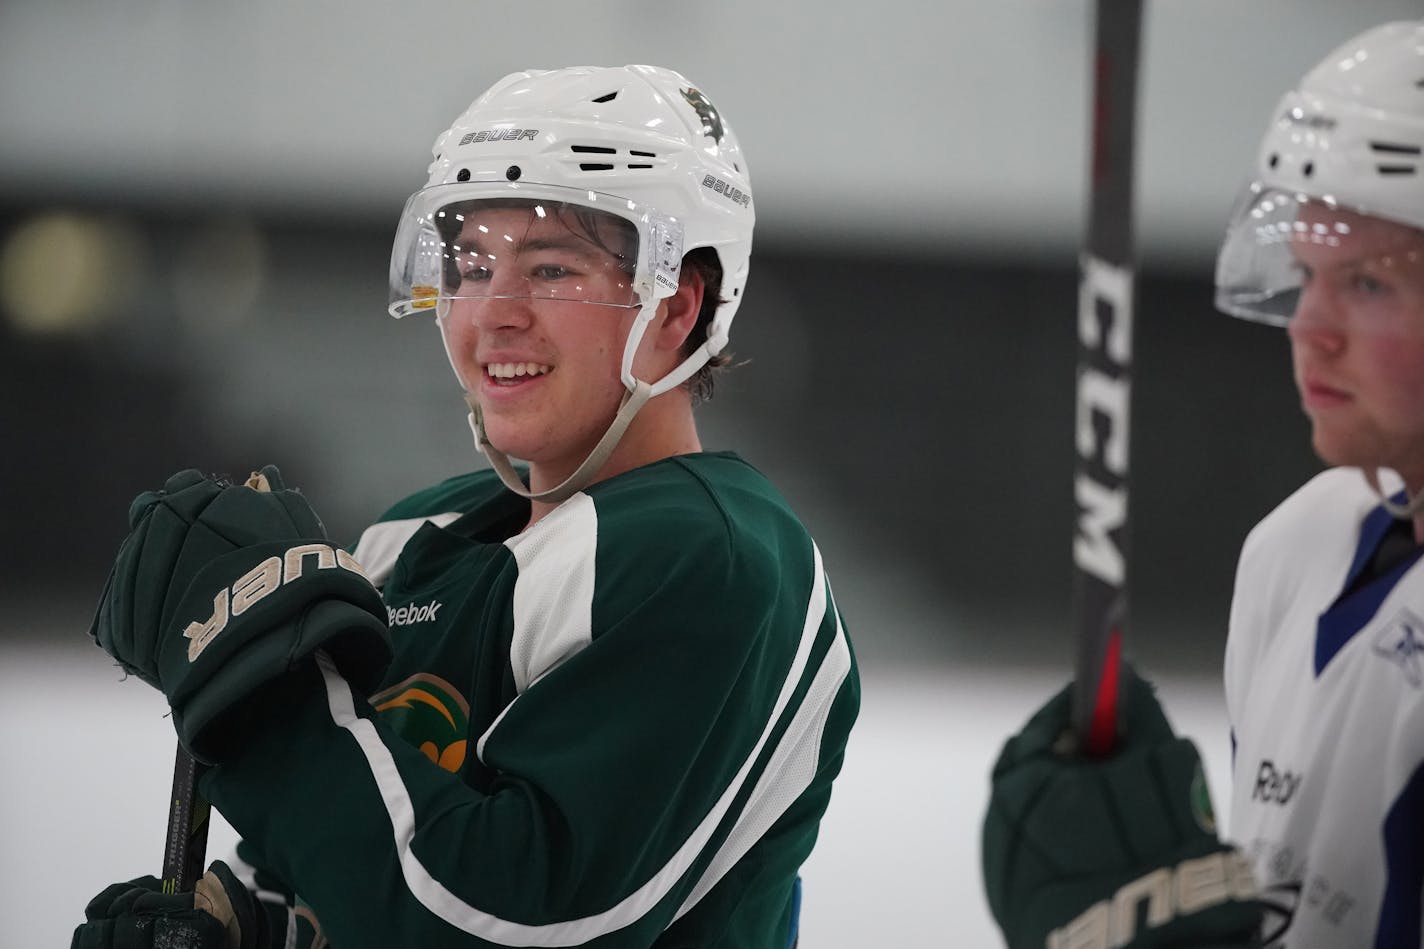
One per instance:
(431, 714)
(1201, 802)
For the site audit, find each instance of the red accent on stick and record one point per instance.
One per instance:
(1102, 731)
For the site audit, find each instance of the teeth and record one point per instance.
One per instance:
(511, 370)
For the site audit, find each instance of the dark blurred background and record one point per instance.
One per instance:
(918, 406)
(196, 202)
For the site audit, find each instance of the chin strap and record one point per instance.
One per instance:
(632, 402)
(1404, 512)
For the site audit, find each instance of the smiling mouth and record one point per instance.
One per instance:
(512, 373)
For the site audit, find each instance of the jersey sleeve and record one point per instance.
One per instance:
(690, 737)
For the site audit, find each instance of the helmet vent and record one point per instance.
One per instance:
(608, 97)
(1393, 148)
(1400, 152)
(606, 150)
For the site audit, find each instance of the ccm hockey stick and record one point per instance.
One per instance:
(186, 847)
(1105, 309)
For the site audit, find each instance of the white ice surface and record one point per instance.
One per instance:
(88, 762)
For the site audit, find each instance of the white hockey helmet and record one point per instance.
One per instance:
(637, 155)
(637, 133)
(1351, 137)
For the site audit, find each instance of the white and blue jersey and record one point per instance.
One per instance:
(1325, 693)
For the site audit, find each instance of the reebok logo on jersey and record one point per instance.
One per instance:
(259, 582)
(1272, 786)
(1402, 643)
(410, 614)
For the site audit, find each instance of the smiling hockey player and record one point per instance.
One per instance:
(620, 686)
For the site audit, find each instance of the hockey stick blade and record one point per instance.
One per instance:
(1105, 314)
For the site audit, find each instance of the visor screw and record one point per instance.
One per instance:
(513, 172)
(1273, 161)
(463, 175)
(1308, 169)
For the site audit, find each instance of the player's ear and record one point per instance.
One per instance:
(680, 311)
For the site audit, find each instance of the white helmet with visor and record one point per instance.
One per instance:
(1340, 184)
(586, 184)
(1348, 141)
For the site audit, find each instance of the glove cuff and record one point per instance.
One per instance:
(209, 712)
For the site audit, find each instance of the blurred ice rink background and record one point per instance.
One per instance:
(897, 863)
(196, 204)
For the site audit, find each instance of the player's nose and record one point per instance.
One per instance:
(1318, 320)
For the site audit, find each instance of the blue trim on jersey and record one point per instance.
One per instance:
(795, 933)
(1404, 867)
(1372, 530)
(1351, 611)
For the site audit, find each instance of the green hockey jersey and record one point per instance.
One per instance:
(618, 727)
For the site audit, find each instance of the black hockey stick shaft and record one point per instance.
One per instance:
(1105, 314)
(185, 850)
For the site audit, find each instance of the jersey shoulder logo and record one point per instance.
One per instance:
(1401, 641)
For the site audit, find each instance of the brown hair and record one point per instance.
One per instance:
(706, 264)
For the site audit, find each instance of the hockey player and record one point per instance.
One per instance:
(597, 701)
(1325, 653)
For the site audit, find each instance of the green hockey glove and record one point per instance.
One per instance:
(220, 588)
(1121, 851)
(220, 914)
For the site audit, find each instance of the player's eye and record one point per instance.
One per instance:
(1368, 285)
(551, 271)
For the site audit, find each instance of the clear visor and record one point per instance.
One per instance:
(507, 241)
(1277, 239)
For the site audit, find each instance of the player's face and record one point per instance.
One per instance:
(536, 328)
(1357, 339)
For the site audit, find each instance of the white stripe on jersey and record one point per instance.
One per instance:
(432, 894)
(792, 767)
(553, 595)
(380, 544)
